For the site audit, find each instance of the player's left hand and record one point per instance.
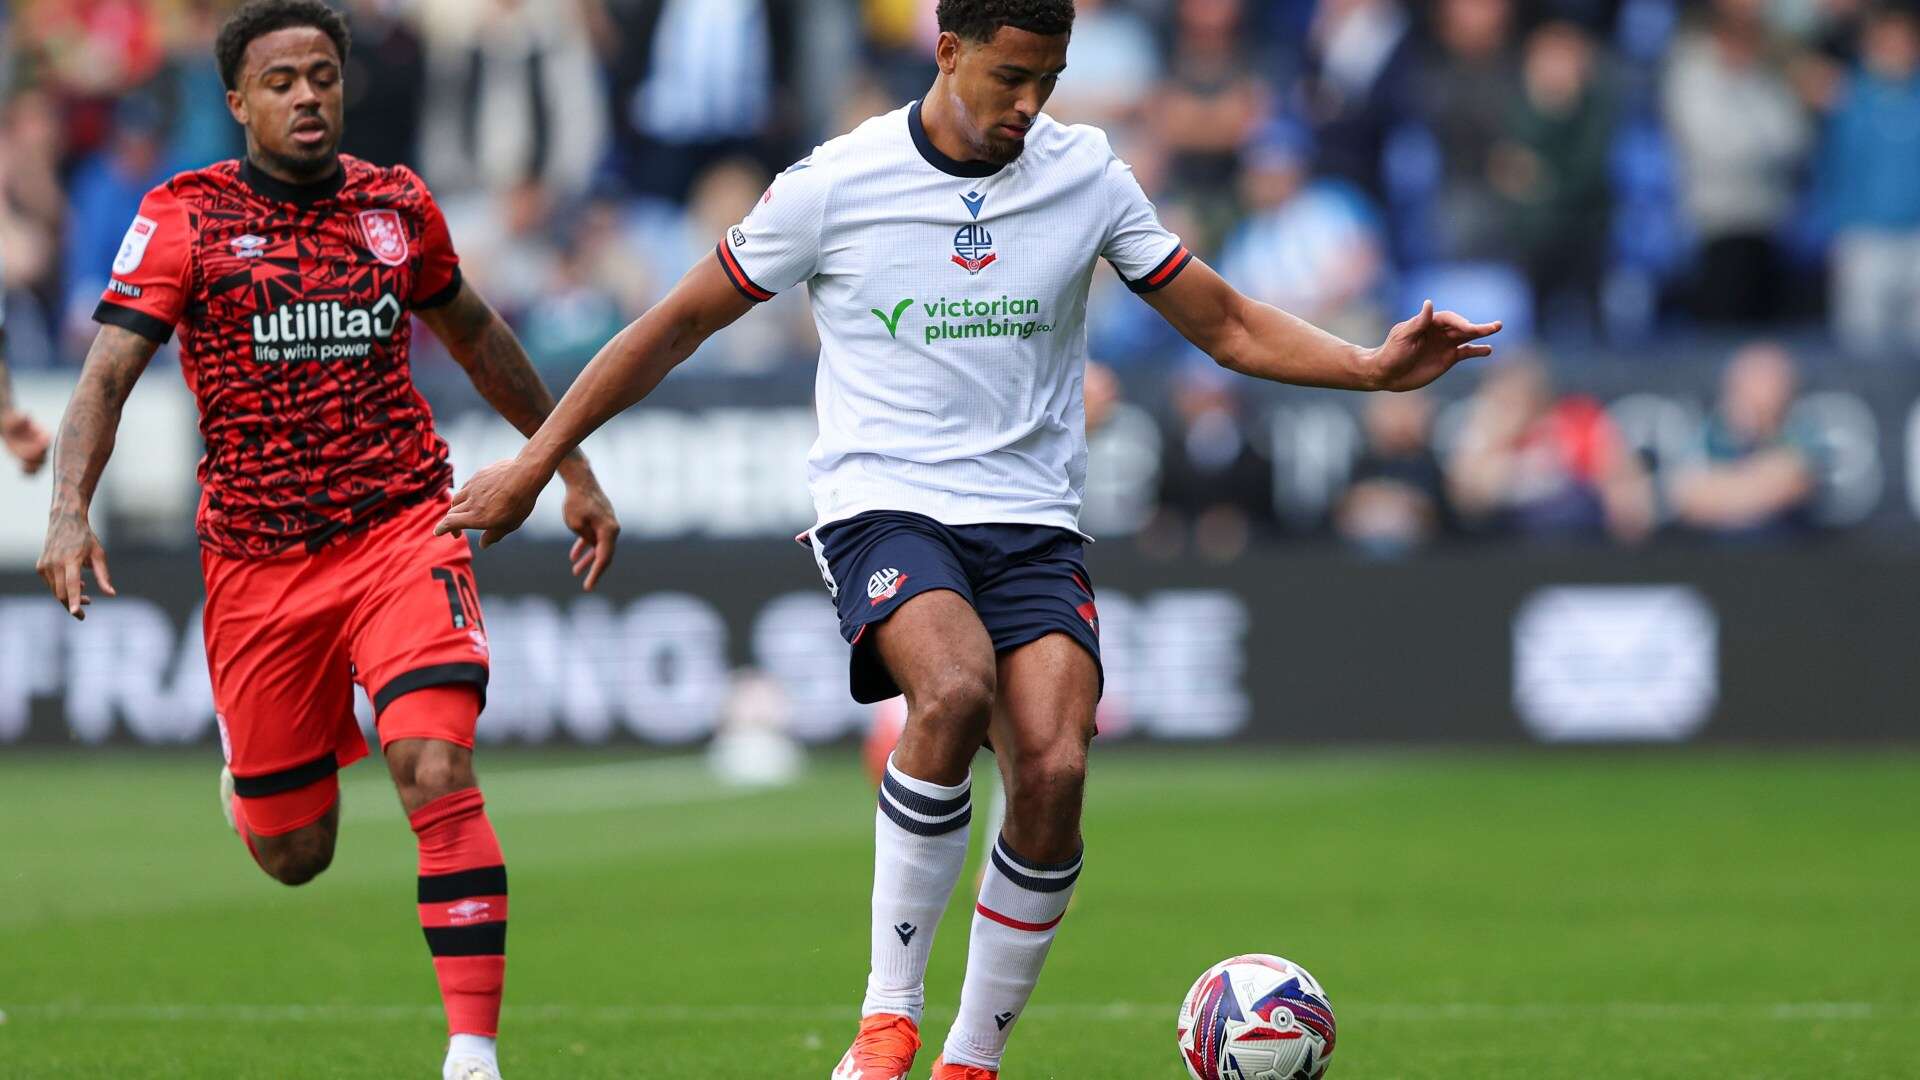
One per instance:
(1426, 347)
(590, 515)
(495, 501)
(24, 439)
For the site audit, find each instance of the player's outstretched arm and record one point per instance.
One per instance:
(23, 438)
(1261, 340)
(87, 432)
(499, 497)
(482, 343)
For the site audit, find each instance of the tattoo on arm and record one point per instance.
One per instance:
(494, 359)
(87, 430)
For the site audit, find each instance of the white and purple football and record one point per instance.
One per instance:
(1256, 1017)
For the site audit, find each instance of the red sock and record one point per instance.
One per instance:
(463, 908)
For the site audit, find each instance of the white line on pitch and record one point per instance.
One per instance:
(1112, 1011)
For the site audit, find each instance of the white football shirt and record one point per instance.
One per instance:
(951, 300)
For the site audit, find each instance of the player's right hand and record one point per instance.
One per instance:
(70, 549)
(495, 501)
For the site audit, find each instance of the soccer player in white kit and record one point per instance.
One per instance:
(947, 248)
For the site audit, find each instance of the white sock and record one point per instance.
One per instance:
(919, 848)
(1021, 904)
(479, 1046)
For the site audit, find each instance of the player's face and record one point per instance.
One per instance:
(1000, 86)
(289, 100)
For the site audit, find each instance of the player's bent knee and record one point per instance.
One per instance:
(1056, 775)
(957, 699)
(426, 769)
(299, 856)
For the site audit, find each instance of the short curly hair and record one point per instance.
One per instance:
(979, 20)
(257, 18)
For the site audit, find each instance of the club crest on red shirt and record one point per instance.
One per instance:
(386, 237)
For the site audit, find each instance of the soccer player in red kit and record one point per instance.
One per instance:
(292, 276)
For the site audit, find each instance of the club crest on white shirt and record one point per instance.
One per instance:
(973, 248)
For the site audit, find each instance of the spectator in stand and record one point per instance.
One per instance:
(1467, 87)
(1311, 247)
(1550, 169)
(33, 211)
(1215, 485)
(721, 196)
(1869, 189)
(1543, 468)
(897, 42)
(201, 131)
(1355, 90)
(22, 437)
(572, 317)
(507, 243)
(106, 192)
(1397, 502)
(515, 96)
(1209, 105)
(386, 83)
(1741, 135)
(1116, 62)
(697, 83)
(1759, 474)
(91, 53)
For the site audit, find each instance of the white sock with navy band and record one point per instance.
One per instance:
(1021, 904)
(919, 849)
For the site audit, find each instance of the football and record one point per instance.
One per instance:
(1256, 1017)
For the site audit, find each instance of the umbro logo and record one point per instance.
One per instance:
(467, 911)
(906, 930)
(1003, 1019)
(248, 246)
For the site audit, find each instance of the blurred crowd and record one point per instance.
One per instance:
(1591, 171)
(1516, 460)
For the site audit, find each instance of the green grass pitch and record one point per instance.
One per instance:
(1529, 915)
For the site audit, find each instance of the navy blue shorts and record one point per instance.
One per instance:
(1024, 581)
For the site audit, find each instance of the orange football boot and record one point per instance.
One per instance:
(883, 1050)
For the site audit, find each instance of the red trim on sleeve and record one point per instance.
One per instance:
(739, 276)
(1163, 275)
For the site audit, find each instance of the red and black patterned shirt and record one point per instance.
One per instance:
(293, 305)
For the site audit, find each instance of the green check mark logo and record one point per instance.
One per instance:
(893, 324)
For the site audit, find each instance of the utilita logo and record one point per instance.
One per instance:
(323, 331)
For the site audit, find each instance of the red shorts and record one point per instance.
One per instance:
(392, 608)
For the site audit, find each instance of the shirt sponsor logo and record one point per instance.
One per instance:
(248, 246)
(324, 331)
(121, 288)
(892, 322)
(386, 236)
(973, 249)
(955, 320)
(133, 246)
(959, 319)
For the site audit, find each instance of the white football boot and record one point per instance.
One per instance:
(226, 798)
